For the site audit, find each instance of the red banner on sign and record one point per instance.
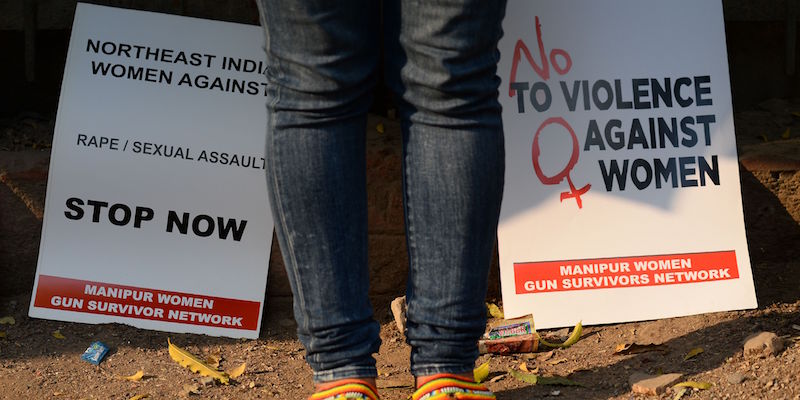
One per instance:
(142, 303)
(604, 273)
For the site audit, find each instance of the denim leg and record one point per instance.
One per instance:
(445, 64)
(321, 61)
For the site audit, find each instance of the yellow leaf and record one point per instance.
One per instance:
(2, 334)
(481, 373)
(796, 113)
(57, 334)
(188, 360)
(572, 339)
(380, 127)
(763, 137)
(238, 371)
(695, 385)
(7, 320)
(534, 379)
(140, 396)
(693, 352)
(135, 377)
(787, 133)
(524, 367)
(494, 311)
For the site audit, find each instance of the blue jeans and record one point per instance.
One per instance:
(441, 58)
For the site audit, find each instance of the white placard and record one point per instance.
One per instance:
(622, 198)
(156, 212)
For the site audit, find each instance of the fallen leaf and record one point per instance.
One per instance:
(763, 137)
(140, 396)
(380, 127)
(546, 356)
(497, 378)
(556, 362)
(523, 367)
(188, 360)
(534, 379)
(7, 320)
(572, 339)
(481, 373)
(787, 133)
(57, 334)
(135, 377)
(680, 393)
(273, 348)
(252, 384)
(694, 385)
(238, 371)
(796, 113)
(2, 334)
(693, 352)
(494, 311)
(635, 348)
(213, 360)
(796, 327)
(191, 389)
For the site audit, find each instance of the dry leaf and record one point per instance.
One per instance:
(796, 327)
(787, 133)
(188, 360)
(140, 396)
(559, 361)
(57, 334)
(694, 385)
(763, 137)
(546, 356)
(680, 393)
(380, 127)
(191, 389)
(634, 348)
(523, 367)
(2, 334)
(135, 377)
(251, 385)
(481, 373)
(497, 378)
(213, 360)
(494, 311)
(572, 339)
(7, 320)
(238, 371)
(693, 352)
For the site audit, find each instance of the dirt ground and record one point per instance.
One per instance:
(36, 365)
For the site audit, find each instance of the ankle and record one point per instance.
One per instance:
(332, 384)
(421, 380)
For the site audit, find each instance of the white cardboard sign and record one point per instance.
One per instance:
(622, 198)
(156, 212)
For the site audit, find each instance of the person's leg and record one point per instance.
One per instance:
(453, 166)
(321, 59)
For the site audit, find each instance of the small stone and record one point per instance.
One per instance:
(652, 384)
(399, 311)
(763, 344)
(736, 378)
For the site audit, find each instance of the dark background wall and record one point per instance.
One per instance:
(761, 35)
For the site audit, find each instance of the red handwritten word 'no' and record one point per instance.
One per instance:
(543, 71)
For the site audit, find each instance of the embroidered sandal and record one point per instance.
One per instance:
(448, 386)
(350, 389)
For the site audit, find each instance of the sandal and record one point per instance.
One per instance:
(448, 386)
(349, 389)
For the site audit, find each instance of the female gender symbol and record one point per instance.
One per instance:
(556, 179)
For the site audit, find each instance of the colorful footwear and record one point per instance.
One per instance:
(348, 389)
(448, 386)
